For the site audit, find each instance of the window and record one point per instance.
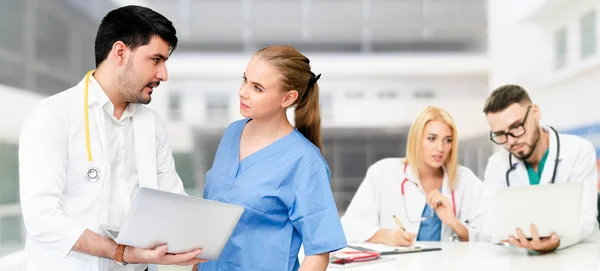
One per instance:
(184, 162)
(217, 107)
(560, 48)
(355, 94)
(52, 38)
(11, 226)
(387, 94)
(354, 157)
(588, 34)
(11, 73)
(424, 94)
(385, 147)
(48, 84)
(11, 234)
(175, 107)
(9, 184)
(11, 14)
(326, 102)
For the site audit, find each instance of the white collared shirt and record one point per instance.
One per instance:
(123, 173)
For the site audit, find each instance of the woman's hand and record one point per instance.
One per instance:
(442, 206)
(445, 211)
(393, 237)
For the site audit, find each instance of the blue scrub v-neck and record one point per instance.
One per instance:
(287, 199)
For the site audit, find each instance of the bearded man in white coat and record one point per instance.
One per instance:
(84, 152)
(537, 155)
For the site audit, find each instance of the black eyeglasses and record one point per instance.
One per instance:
(501, 137)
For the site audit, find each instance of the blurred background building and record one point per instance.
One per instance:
(382, 62)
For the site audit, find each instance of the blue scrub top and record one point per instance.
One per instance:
(430, 229)
(285, 191)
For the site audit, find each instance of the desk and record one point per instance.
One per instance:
(483, 256)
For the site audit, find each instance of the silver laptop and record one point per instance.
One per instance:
(552, 208)
(182, 222)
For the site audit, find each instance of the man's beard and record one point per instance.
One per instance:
(536, 139)
(129, 91)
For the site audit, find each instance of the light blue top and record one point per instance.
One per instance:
(285, 191)
(430, 229)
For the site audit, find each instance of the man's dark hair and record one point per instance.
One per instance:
(503, 97)
(135, 26)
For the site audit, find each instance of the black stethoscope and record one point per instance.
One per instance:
(514, 166)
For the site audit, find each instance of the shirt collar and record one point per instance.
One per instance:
(97, 95)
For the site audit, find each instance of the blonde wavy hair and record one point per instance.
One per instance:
(414, 153)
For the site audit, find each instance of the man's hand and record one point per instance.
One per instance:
(159, 255)
(542, 245)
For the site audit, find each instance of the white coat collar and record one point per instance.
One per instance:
(546, 177)
(411, 176)
(97, 95)
(520, 176)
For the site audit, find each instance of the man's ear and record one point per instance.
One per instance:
(537, 112)
(289, 98)
(119, 52)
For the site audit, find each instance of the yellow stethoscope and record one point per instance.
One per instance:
(93, 172)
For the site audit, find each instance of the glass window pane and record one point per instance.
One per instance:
(326, 102)
(588, 34)
(12, 74)
(358, 144)
(560, 48)
(217, 108)
(175, 107)
(52, 39)
(217, 101)
(87, 58)
(381, 153)
(328, 155)
(184, 163)
(49, 85)
(11, 35)
(11, 234)
(9, 179)
(354, 164)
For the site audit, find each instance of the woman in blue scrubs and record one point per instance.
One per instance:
(276, 171)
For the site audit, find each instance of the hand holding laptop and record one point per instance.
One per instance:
(536, 243)
(531, 217)
(159, 255)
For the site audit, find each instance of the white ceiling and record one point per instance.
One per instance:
(327, 25)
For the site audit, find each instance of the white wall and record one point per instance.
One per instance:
(512, 47)
(459, 82)
(344, 66)
(15, 104)
(521, 37)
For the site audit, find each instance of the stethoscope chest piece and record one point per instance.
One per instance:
(93, 173)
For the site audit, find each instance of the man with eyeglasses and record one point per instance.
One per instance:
(538, 155)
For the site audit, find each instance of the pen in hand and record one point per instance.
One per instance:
(410, 237)
(399, 223)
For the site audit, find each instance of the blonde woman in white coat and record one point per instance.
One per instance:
(433, 197)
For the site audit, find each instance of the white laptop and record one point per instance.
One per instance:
(552, 208)
(181, 222)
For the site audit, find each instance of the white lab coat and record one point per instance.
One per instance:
(379, 198)
(57, 199)
(577, 163)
